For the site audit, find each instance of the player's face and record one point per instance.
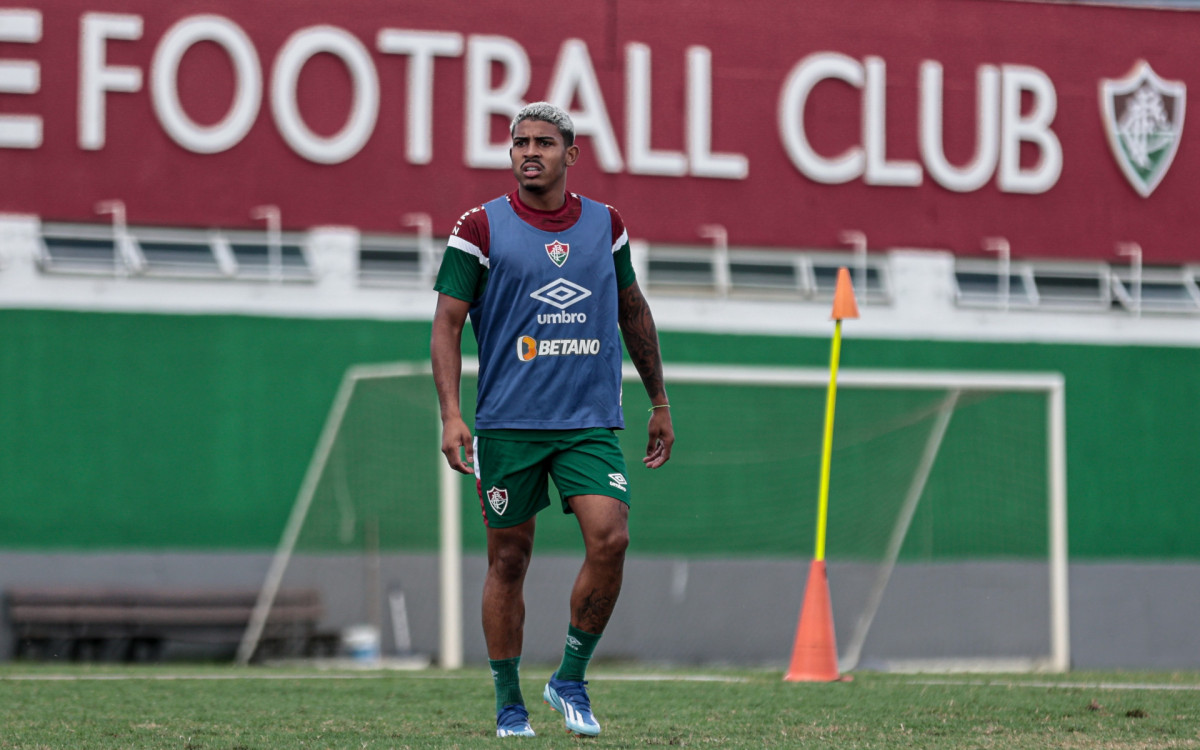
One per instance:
(540, 158)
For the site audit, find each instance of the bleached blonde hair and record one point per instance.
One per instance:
(546, 112)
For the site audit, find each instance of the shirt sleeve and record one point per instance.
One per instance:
(463, 271)
(624, 262)
(461, 275)
(622, 256)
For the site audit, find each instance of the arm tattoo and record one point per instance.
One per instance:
(641, 339)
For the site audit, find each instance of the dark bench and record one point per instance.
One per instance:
(133, 624)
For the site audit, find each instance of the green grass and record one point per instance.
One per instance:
(188, 707)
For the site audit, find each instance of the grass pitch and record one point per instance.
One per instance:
(189, 708)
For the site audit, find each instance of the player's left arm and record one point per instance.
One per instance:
(641, 341)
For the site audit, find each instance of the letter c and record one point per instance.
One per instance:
(792, 101)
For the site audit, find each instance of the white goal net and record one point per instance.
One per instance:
(947, 514)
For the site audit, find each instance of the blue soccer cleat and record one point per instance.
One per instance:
(570, 698)
(513, 721)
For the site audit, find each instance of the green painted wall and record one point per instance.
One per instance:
(141, 431)
(159, 431)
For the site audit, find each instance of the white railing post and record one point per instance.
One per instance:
(1000, 246)
(274, 219)
(1134, 251)
(720, 237)
(858, 241)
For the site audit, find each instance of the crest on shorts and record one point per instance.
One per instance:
(1143, 119)
(558, 252)
(498, 499)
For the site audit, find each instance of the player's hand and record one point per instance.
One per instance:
(456, 435)
(662, 437)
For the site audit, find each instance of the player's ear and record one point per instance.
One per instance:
(572, 155)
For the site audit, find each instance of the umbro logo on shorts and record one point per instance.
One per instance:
(618, 481)
(498, 499)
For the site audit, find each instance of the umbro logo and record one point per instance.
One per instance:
(561, 293)
(618, 481)
(573, 642)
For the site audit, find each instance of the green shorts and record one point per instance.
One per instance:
(512, 469)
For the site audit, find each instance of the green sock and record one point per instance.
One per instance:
(506, 673)
(577, 653)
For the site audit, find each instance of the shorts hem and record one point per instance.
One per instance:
(605, 491)
(508, 523)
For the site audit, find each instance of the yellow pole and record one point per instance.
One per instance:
(827, 446)
(844, 306)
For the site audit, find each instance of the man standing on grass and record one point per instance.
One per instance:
(546, 279)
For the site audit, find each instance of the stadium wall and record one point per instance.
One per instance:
(141, 431)
(145, 446)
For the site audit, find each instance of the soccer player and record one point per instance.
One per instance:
(546, 279)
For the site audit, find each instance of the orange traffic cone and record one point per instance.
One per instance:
(844, 304)
(814, 656)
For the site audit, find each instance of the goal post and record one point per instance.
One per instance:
(913, 489)
(1048, 385)
(448, 516)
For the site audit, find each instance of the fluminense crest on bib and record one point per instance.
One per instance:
(498, 499)
(558, 252)
(1143, 119)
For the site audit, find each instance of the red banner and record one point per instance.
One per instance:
(928, 123)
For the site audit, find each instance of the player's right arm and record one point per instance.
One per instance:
(445, 349)
(460, 280)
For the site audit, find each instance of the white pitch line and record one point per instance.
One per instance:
(609, 677)
(172, 677)
(363, 675)
(1068, 685)
(377, 674)
(669, 678)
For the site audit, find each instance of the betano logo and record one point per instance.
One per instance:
(528, 347)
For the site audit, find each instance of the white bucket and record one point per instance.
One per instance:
(361, 643)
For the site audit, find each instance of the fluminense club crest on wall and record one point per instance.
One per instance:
(1143, 118)
(558, 252)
